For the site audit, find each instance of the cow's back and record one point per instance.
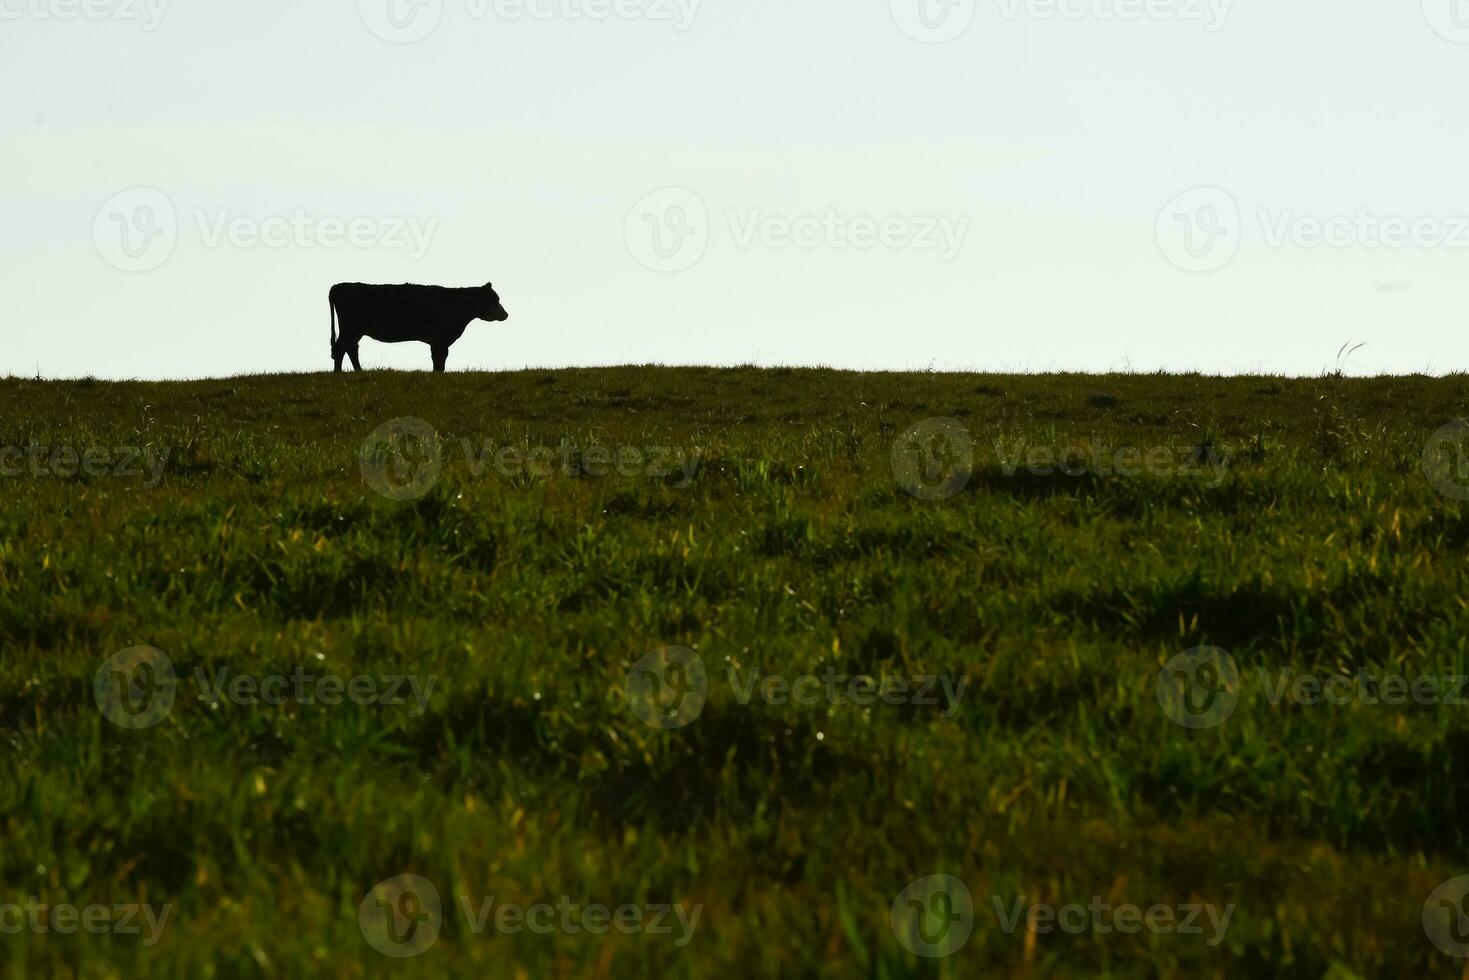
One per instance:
(403, 312)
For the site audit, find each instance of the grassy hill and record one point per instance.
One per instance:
(499, 576)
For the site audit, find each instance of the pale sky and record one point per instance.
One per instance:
(1217, 185)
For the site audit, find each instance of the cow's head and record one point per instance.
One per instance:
(490, 307)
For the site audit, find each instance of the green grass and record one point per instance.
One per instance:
(1322, 549)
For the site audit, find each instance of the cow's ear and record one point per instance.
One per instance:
(489, 285)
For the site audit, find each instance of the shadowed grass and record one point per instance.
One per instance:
(1296, 529)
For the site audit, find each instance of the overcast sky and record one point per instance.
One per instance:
(879, 184)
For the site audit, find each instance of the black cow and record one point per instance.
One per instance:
(436, 315)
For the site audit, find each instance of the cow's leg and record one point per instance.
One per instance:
(441, 358)
(352, 353)
(338, 352)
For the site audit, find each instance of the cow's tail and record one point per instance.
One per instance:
(333, 307)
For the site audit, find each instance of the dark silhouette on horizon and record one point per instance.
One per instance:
(435, 315)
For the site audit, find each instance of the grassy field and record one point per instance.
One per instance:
(486, 597)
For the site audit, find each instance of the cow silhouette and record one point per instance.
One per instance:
(434, 315)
